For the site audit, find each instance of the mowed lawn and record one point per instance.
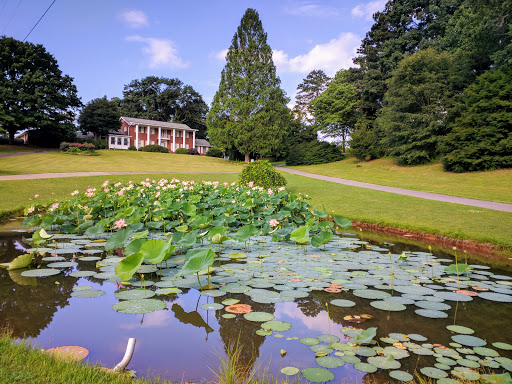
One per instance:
(492, 185)
(113, 161)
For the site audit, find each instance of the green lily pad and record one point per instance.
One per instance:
(88, 293)
(52, 258)
(433, 373)
(213, 293)
(231, 302)
(328, 339)
(329, 362)
(81, 287)
(43, 272)
(401, 375)
(468, 363)
(504, 346)
(384, 362)
(275, 325)
(263, 332)
(486, 351)
(365, 367)
(365, 351)
(397, 353)
(470, 341)
(465, 373)
(259, 316)
(229, 316)
(342, 303)
(492, 296)
(431, 313)
(460, 329)
(388, 306)
(309, 341)
(139, 306)
(289, 371)
(351, 359)
(211, 306)
(89, 258)
(134, 294)
(416, 337)
(168, 291)
(317, 375)
(82, 273)
(370, 294)
(321, 348)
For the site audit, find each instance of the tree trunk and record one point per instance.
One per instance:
(11, 137)
(247, 158)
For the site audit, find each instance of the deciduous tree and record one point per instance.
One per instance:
(99, 116)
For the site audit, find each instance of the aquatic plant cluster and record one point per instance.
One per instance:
(215, 238)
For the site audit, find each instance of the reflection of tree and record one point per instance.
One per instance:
(310, 306)
(238, 335)
(192, 317)
(27, 305)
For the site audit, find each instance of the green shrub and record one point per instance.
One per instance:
(314, 152)
(214, 152)
(262, 174)
(132, 148)
(182, 151)
(65, 146)
(154, 148)
(193, 151)
(98, 144)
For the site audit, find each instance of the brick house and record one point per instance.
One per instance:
(142, 132)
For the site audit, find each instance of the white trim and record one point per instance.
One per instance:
(159, 136)
(173, 140)
(137, 136)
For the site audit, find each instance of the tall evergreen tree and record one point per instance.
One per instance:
(249, 111)
(311, 87)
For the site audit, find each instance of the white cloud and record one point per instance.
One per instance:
(331, 57)
(310, 9)
(161, 52)
(221, 55)
(368, 9)
(134, 18)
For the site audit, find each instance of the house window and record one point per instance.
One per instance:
(152, 131)
(118, 141)
(141, 129)
(125, 129)
(186, 146)
(152, 142)
(112, 140)
(125, 141)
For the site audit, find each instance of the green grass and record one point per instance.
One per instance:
(113, 161)
(5, 148)
(453, 220)
(492, 185)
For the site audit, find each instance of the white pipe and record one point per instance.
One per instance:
(127, 356)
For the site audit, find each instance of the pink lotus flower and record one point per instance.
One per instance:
(119, 224)
(273, 223)
(251, 184)
(36, 195)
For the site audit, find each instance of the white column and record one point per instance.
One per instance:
(184, 134)
(193, 139)
(149, 129)
(173, 140)
(159, 135)
(137, 136)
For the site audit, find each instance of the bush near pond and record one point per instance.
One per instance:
(154, 148)
(315, 152)
(261, 173)
(182, 151)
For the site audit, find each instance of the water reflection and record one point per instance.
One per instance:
(192, 317)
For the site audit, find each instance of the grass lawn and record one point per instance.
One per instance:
(113, 161)
(6, 148)
(492, 185)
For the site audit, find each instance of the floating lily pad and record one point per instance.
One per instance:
(468, 363)
(231, 302)
(81, 287)
(328, 339)
(365, 351)
(432, 305)
(433, 373)
(259, 316)
(263, 332)
(388, 306)
(134, 294)
(397, 353)
(416, 337)
(465, 373)
(342, 303)
(213, 293)
(452, 296)
(384, 362)
(228, 316)
(52, 258)
(82, 273)
(431, 313)
(470, 341)
(446, 361)
(351, 359)
(211, 306)
(275, 325)
(289, 371)
(321, 348)
(88, 293)
(496, 297)
(43, 272)
(309, 341)
(401, 375)
(503, 346)
(168, 291)
(329, 362)
(317, 375)
(139, 306)
(460, 329)
(370, 294)
(365, 367)
(486, 351)
(89, 258)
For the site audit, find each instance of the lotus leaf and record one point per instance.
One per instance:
(330, 362)
(133, 294)
(43, 272)
(365, 367)
(289, 371)
(433, 373)
(88, 293)
(465, 373)
(470, 341)
(211, 306)
(259, 316)
(21, 261)
(317, 375)
(401, 375)
(300, 235)
(384, 362)
(128, 266)
(366, 337)
(275, 325)
(119, 239)
(139, 306)
(321, 238)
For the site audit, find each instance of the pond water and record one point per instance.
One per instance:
(183, 341)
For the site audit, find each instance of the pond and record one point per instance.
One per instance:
(319, 301)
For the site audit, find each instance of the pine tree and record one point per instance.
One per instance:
(249, 111)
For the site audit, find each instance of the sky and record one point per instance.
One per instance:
(105, 44)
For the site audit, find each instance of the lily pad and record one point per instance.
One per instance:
(388, 306)
(168, 291)
(401, 375)
(134, 294)
(486, 351)
(228, 316)
(460, 329)
(213, 293)
(309, 341)
(365, 367)
(275, 325)
(465, 373)
(433, 373)
(139, 306)
(211, 306)
(503, 346)
(330, 362)
(88, 293)
(317, 375)
(259, 316)
(384, 362)
(500, 297)
(431, 313)
(470, 341)
(342, 303)
(371, 294)
(81, 287)
(43, 272)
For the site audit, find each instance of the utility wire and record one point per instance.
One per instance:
(12, 15)
(39, 20)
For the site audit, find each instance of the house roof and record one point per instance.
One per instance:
(156, 124)
(116, 133)
(202, 143)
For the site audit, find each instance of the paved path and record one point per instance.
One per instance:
(33, 176)
(401, 191)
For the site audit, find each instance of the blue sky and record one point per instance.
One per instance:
(104, 44)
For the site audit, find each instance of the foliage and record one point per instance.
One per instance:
(164, 99)
(154, 148)
(214, 152)
(182, 151)
(132, 148)
(86, 147)
(193, 151)
(314, 152)
(311, 87)
(249, 111)
(99, 116)
(262, 174)
(366, 142)
(481, 138)
(422, 93)
(335, 109)
(35, 94)
(98, 144)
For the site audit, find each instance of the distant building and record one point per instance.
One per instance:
(142, 132)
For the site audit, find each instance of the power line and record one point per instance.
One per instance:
(39, 20)
(12, 15)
